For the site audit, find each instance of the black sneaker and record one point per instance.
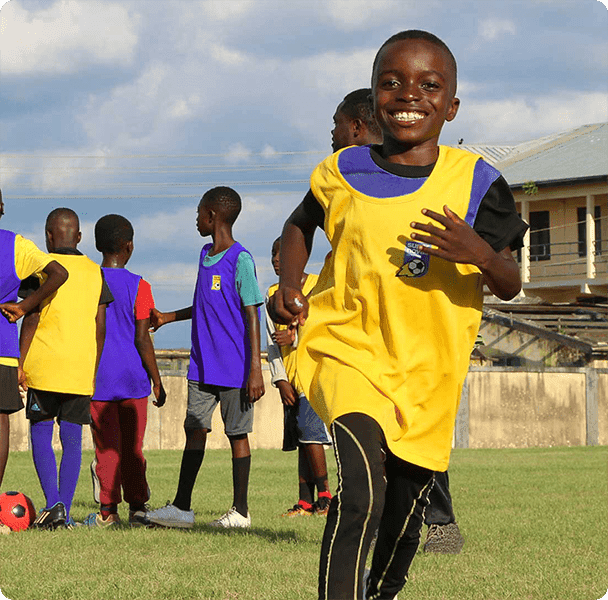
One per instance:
(444, 539)
(51, 518)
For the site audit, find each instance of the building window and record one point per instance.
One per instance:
(540, 238)
(581, 216)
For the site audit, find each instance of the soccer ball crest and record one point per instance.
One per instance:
(415, 262)
(17, 511)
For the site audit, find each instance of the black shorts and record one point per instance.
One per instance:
(10, 399)
(43, 405)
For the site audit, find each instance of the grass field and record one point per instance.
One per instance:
(535, 523)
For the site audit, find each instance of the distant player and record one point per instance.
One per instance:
(386, 336)
(61, 345)
(225, 364)
(119, 407)
(303, 429)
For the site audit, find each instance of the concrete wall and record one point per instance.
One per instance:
(521, 409)
(165, 425)
(500, 408)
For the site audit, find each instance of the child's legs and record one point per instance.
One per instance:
(41, 435)
(105, 427)
(10, 402)
(440, 510)
(74, 412)
(356, 508)
(202, 402)
(133, 417)
(313, 436)
(237, 414)
(70, 435)
(5, 431)
(406, 498)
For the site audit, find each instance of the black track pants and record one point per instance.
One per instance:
(376, 491)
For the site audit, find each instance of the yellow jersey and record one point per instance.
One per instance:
(390, 329)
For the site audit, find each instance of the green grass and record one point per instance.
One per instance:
(535, 523)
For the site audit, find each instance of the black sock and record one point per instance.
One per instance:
(307, 492)
(240, 482)
(191, 463)
(321, 483)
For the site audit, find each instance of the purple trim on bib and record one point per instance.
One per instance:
(9, 286)
(363, 174)
(484, 176)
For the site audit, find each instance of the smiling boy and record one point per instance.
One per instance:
(386, 338)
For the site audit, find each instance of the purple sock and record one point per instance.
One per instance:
(44, 460)
(69, 471)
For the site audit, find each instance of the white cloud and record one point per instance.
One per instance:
(351, 15)
(519, 119)
(175, 275)
(491, 29)
(224, 10)
(238, 153)
(226, 56)
(66, 37)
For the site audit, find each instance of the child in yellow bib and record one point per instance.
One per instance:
(387, 332)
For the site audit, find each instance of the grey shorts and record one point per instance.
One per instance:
(236, 410)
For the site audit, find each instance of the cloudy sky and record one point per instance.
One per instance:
(139, 106)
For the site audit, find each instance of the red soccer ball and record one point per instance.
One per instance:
(17, 511)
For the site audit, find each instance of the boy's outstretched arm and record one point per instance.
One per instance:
(144, 346)
(255, 381)
(56, 277)
(458, 242)
(158, 319)
(288, 304)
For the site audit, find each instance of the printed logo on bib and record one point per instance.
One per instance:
(216, 284)
(415, 262)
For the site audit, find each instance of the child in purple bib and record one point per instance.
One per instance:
(120, 402)
(225, 365)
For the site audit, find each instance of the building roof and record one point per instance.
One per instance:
(491, 154)
(577, 154)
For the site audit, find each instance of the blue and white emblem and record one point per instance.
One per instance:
(415, 263)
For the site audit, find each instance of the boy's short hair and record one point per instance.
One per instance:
(225, 201)
(61, 213)
(358, 105)
(417, 34)
(112, 232)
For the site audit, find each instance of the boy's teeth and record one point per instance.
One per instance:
(408, 116)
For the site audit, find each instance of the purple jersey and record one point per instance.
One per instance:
(9, 285)
(121, 374)
(220, 352)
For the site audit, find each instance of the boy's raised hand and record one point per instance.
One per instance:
(12, 311)
(456, 241)
(288, 306)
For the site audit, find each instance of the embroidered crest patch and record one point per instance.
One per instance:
(415, 263)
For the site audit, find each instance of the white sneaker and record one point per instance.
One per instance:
(171, 516)
(232, 519)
